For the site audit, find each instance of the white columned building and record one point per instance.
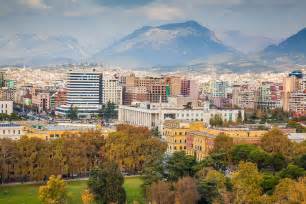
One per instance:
(153, 115)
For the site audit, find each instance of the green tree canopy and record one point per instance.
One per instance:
(106, 184)
(179, 165)
(73, 113)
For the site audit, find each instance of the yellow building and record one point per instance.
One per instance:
(176, 131)
(195, 139)
(50, 132)
(199, 144)
(239, 134)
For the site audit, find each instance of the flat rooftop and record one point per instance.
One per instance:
(9, 125)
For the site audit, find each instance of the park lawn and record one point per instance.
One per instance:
(28, 194)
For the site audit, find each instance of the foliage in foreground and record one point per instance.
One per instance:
(54, 192)
(106, 184)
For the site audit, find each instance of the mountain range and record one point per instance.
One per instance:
(176, 44)
(292, 49)
(245, 43)
(33, 49)
(168, 45)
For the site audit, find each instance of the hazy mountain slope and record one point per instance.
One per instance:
(245, 43)
(292, 49)
(170, 44)
(32, 49)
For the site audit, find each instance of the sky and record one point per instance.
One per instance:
(101, 22)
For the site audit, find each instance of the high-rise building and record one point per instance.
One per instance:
(151, 89)
(84, 92)
(174, 84)
(243, 96)
(112, 90)
(297, 103)
(292, 83)
(269, 95)
(41, 101)
(7, 88)
(58, 98)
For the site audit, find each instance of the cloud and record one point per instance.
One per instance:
(84, 12)
(163, 13)
(35, 4)
(123, 3)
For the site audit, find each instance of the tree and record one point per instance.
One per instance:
(239, 117)
(155, 132)
(290, 191)
(292, 171)
(106, 184)
(246, 183)
(55, 192)
(216, 120)
(186, 191)
(73, 113)
(130, 147)
(87, 197)
(223, 195)
(223, 144)
(259, 157)
(153, 172)
(301, 161)
(269, 182)
(208, 191)
(9, 160)
(242, 152)
(277, 162)
(34, 159)
(275, 141)
(161, 193)
(109, 111)
(213, 186)
(179, 165)
(216, 177)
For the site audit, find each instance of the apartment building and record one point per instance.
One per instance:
(6, 107)
(11, 131)
(269, 95)
(111, 90)
(151, 89)
(297, 103)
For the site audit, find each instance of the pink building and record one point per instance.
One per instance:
(41, 101)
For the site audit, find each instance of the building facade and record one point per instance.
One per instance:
(41, 101)
(11, 131)
(84, 92)
(111, 90)
(6, 107)
(153, 115)
(195, 139)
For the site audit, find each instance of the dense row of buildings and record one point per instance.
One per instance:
(179, 107)
(89, 90)
(288, 94)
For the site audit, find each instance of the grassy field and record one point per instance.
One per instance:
(27, 194)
